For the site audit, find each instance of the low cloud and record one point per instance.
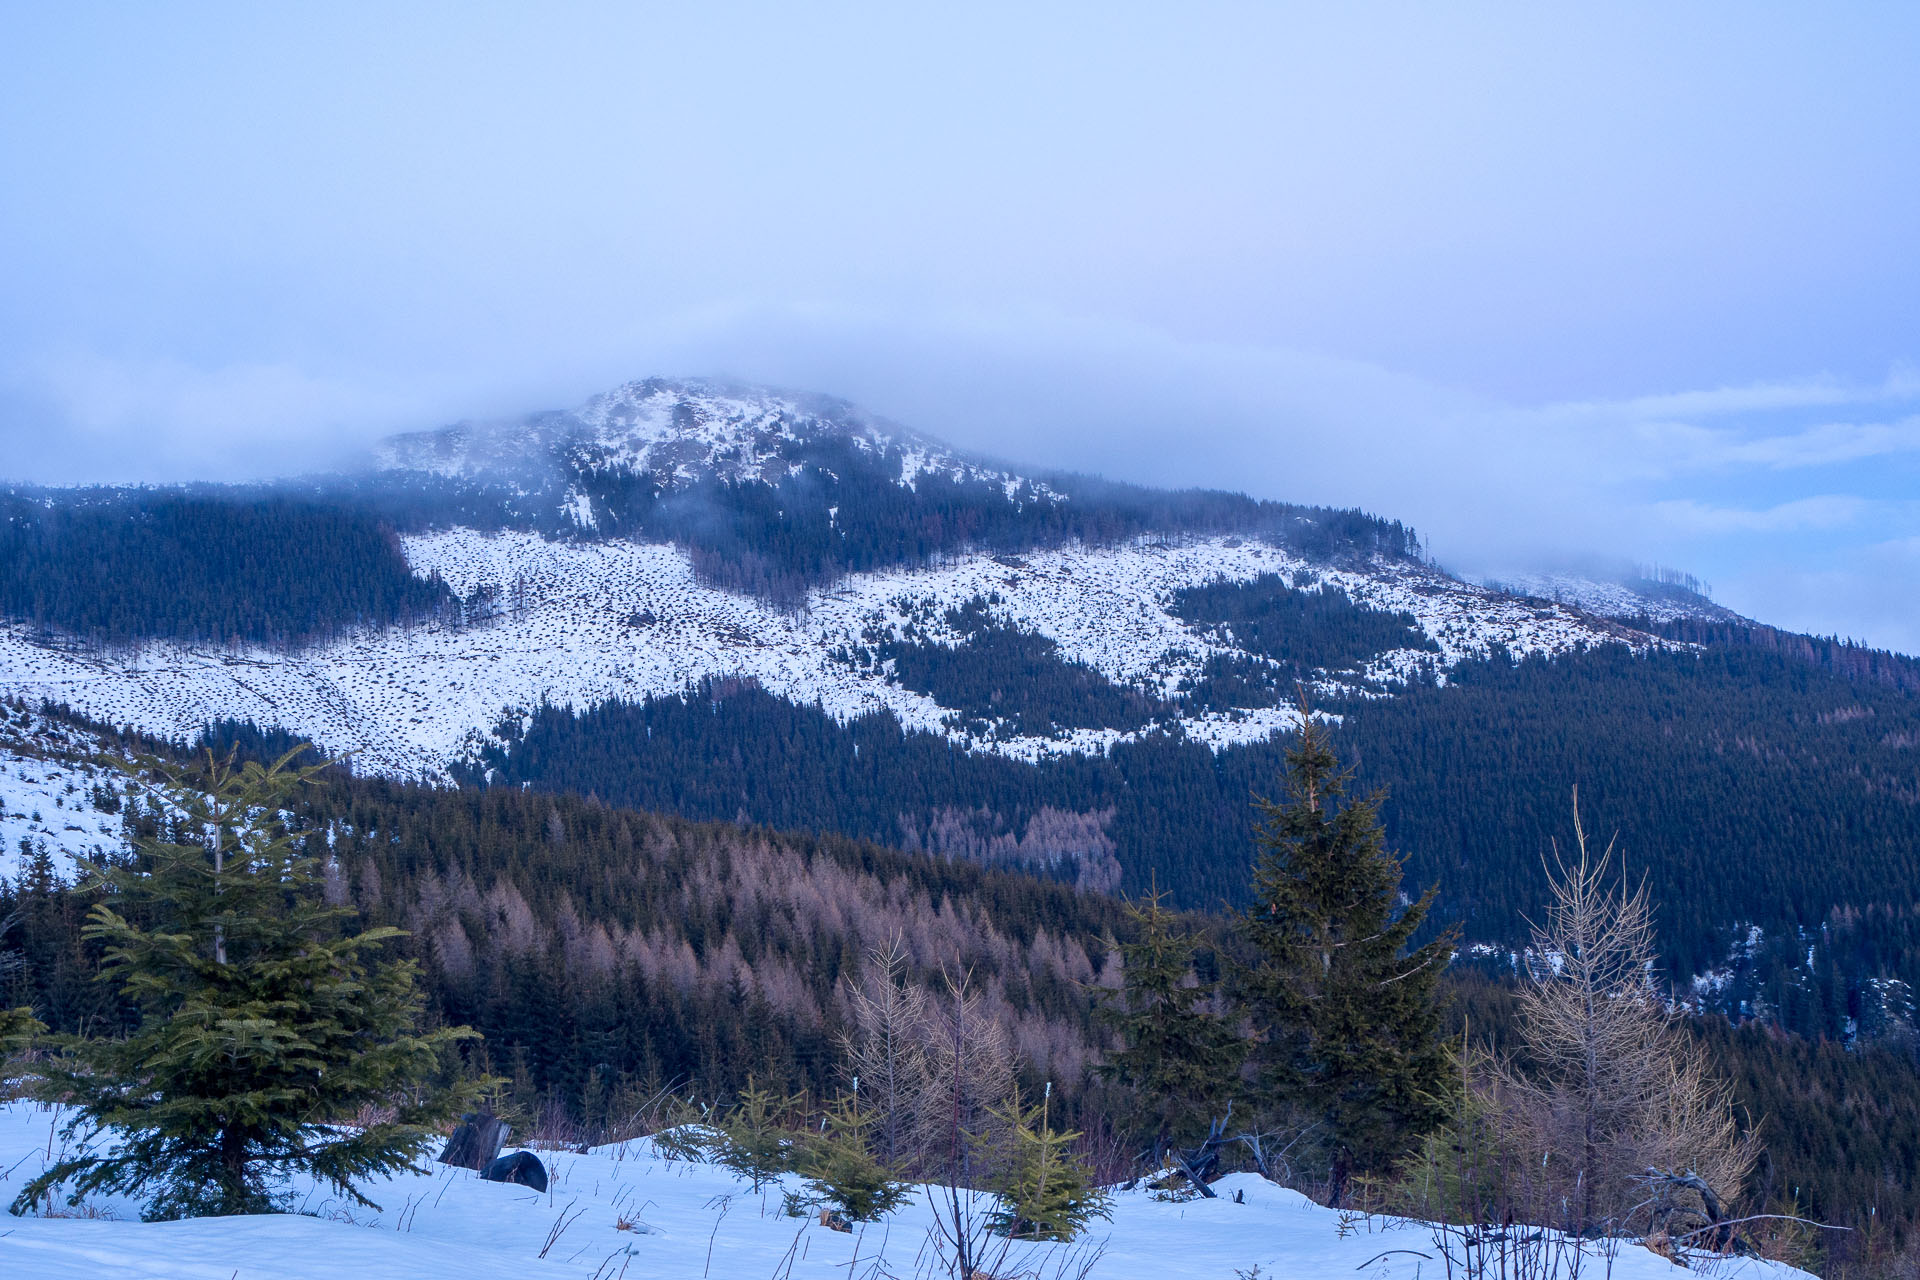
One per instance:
(1493, 487)
(1827, 444)
(1823, 511)
(1867, 594)
(77, 419)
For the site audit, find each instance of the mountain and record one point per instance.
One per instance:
(1638, 594)
(681, 432)
(1145, 597)
(741, 604)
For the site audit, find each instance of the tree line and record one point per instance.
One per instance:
(109, 567)
(301, 562)
(1812, 781)
(604, 954)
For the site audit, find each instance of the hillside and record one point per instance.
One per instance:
(739, 604)
(580, 623)
(606, 952)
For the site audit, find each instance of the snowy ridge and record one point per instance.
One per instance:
(1659, 602)
(680, 429)
(585, 622)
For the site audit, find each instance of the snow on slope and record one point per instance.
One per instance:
(584, 622)
(47, 788)
(686, 1221)
(1640, 598)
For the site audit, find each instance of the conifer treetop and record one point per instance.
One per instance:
(274, 1038)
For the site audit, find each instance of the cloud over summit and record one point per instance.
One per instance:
(1635, 281)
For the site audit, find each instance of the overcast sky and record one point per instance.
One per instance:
(1638, 281)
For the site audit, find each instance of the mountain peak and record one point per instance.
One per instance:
(680, 430)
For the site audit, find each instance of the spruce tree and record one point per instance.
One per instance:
(17, 1025)
(17, 1028)
(758, 1143)
(842, 1169)
(1346, 1013)
(1178, 1057)
(1045, 1191)
(273, 1040)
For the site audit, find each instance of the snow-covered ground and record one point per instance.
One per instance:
(48, 783)
(46, 801)
(587, 621)
(625, 1212)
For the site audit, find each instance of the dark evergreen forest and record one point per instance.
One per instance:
(835, 508)
(605, 952)
(108, 566)
(1014, 682)
(1300, 630)
(304, 561)
(1749, 787)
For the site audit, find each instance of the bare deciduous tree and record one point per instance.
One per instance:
(884, 1043)
(967, 1072)
(1611, 1084)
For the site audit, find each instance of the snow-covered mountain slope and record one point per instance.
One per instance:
(600, 577)
(682, 430)
(54, 793)
(1628, 598)
(626, 1211)
(585, 621)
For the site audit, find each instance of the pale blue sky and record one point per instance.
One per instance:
(1634, 280)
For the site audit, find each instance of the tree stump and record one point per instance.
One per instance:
(476, 1143)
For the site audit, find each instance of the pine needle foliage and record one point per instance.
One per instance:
(1178, 1057)
(842, 1169)
(759, 1144)
(18, 1026)
(1046, 1192)
(16, 1029)
(268, 1031)
(1346, 1009)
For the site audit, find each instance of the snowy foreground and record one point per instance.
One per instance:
(625, 1211)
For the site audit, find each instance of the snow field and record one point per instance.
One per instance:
(1614, 599)
(584, 622)
(625, 1211)
(47, 781)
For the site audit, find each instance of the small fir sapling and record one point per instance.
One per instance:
(1046, 1192)
(841, 1167)
(758, 1144)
